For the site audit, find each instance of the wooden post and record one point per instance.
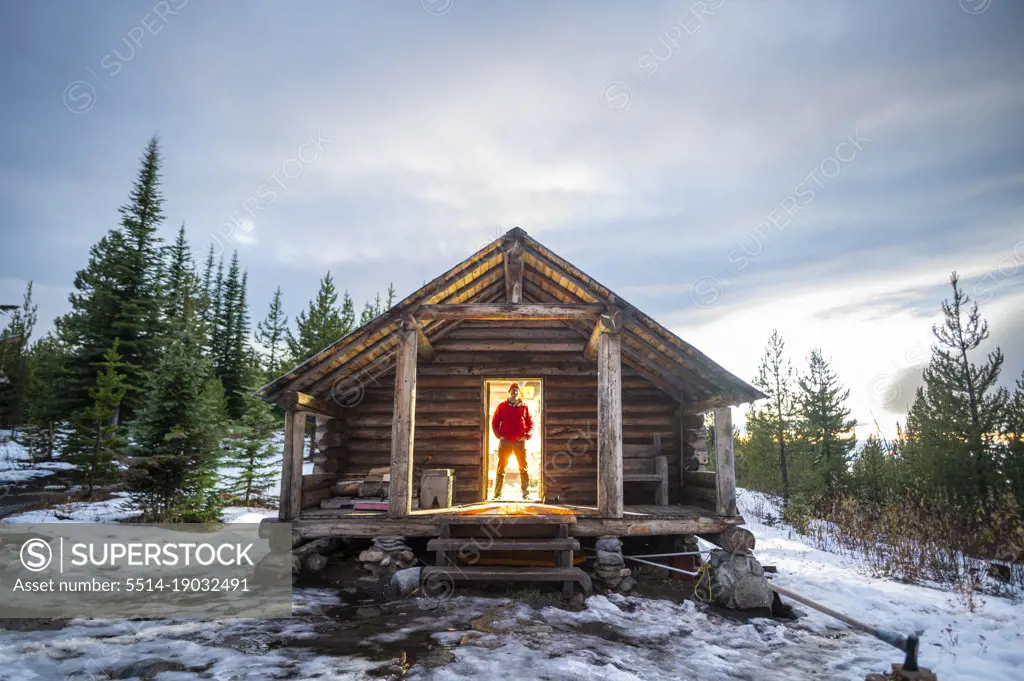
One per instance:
(513, 257)
(404, 424)
(609, 425)
(291, 473)
(725, 467)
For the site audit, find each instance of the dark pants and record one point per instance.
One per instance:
(506, 449)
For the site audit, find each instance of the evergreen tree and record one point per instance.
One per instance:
(824, 425)
(391, 298)
(217, 341)
(118, 295)
(96, 444)
(252, 451)
(177, 435)
(45, 412)
(348, 318)
(232, 329)
(320, 326)
(873, 472)
(959, 412)
(207, 311)
(370, 310)
(770, 428)
(272, 335)
(14, 361)
(1014, 458)
(182, 282)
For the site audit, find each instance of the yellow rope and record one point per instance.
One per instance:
(703, 575)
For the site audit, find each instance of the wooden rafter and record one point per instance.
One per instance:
(513, 257)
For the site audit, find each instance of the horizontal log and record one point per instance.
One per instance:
(426, 421)
(317, 481)
(564, 369)
(514, 333)
(422, 432)
(733, 539)
(375, 446)
(494, 345)
(314, 497)
(699, 479)
(538, 360)
(700, 494)
(506, 311)
(296, 401)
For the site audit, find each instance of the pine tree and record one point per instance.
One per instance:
(272, 335)
(348, 318)
(770, 428)
(119, 295)
(1014, 458)
(14, 361)
(252, 451)
(96, 443)
(873, 472)
(206, 302)
(320, 326)
(959, 412)
(391, 298)
(45, 413)
(177, 435)
(824, 425)
(217, 340)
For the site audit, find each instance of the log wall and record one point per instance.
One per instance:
(451, 424)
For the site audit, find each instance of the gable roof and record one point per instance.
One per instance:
(648, 348)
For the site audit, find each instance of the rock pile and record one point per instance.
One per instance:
(387, 555)
(611, 571)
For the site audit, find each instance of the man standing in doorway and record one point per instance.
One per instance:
(512, 426)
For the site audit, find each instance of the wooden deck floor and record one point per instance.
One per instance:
(583, 521)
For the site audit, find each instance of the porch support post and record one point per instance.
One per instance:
(609, 424)
(725, 467)
(290, 505)
(404, 424)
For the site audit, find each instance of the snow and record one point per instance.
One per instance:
(16, 463)
(614, 638)
(117, 507)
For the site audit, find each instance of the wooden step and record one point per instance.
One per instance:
(479, 573)
(485, 544)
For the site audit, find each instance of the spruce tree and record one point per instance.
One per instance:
(873, 472)
(96, 444)
(119, 294)
(14, 361)
(824, 425)
(45, 412)
(252, 451)
(321, 325)
(181, 278)
(232, 345)
(272, 335)
(207, 313)
(391, 298)
(178, 433)
(959, 412)
(1014, 457)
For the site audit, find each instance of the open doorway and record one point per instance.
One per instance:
(531, 391)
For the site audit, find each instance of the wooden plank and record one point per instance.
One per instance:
(487, 544)
(508, 311)
(513, 261)
(481, 573)
(609, 425)
(290, 505)
(725, 468)
(296, 401)
(404, 425)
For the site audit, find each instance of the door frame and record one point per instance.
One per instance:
(485, 432)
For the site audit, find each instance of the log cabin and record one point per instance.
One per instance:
(618, 401)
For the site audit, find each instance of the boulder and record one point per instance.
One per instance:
(609, 558)
(373, 555)
(609, 543)
(406, 581)
(627, 584)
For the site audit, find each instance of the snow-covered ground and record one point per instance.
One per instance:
(613, 638)
(16, 464)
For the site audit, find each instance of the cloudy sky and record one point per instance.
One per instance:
(729, 167)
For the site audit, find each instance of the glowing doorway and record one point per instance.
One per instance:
(531, 393)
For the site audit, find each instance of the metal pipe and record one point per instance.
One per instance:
(889, 637)
(663, 567)
(669, 555)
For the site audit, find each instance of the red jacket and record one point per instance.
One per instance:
(512, 422)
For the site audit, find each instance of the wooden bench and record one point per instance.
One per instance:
(646, 463)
